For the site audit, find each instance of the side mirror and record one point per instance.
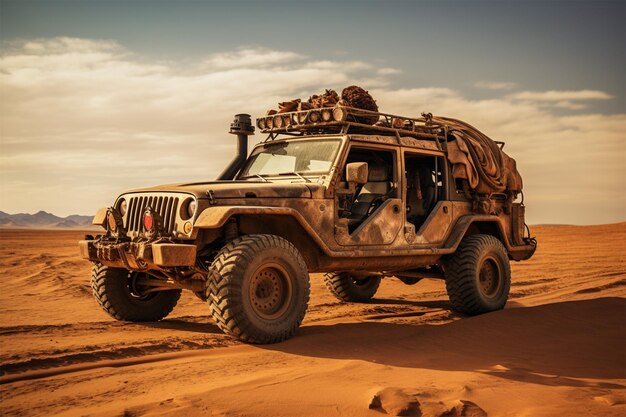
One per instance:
(357, 172)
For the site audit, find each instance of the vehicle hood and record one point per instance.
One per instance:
(240, 189)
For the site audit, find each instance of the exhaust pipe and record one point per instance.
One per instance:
(242, 127)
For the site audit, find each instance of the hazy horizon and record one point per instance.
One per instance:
(101, 97)
(529, 224)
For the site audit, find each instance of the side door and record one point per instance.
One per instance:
(429, 213)
(370, 212)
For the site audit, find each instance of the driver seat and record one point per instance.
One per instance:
(376, 188)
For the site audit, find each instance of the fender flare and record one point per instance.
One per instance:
(216, 217)
(463, 224)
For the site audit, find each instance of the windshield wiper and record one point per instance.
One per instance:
(297, 174)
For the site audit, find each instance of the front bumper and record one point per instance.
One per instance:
(138, 255)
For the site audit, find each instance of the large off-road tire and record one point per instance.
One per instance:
(478, 275)
(116, 292)
(347, 288)
(258, 289)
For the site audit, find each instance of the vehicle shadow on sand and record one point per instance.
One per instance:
(561, 344)
(185, 324)
(441, 304)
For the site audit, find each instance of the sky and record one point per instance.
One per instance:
(97, 97)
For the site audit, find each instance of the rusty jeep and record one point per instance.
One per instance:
(326, 191)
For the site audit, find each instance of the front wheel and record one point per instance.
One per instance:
(258, 289)
(346, 287)
(478, 275)
(120, 294)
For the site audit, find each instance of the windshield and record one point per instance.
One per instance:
(297, 157)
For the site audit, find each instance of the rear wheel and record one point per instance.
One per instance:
(348, 288)
(258, 289)
(478, 275)
(120, 294)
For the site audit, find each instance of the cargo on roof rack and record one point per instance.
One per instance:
(342, 119)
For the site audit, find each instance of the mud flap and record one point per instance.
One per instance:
(518, 223)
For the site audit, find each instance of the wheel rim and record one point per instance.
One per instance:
(490, 278)
(270, 291)
(136, 291)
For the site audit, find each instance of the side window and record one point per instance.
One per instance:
(424, 186)
(381, 162)
(360, 202)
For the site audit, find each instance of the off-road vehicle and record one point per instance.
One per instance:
(356, 194)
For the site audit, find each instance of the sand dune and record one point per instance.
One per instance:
(558, 349)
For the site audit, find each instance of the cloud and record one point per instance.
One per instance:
(76, 112)
(338, 65)
(388, 71)
(566, 104)
(560, 96)
(251, 57)
(572, 166)
(495, 85)
(569, 100)
(62, 45)
(83, 120)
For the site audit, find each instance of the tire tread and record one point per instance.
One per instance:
(107, 294)
(223, 288)
(461, 268)
(340, 284)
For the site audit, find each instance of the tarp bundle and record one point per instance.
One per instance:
(479, 160)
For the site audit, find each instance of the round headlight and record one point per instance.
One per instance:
(327, 115)
(314, 116)
(188, 208)
(338, 114)
(260, 123)
(191, 208)
(278, 121)
(397, 123)
(269, 122)
(122, 206)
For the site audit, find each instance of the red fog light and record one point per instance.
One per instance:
(148, 221)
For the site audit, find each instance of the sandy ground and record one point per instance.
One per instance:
(558, 349)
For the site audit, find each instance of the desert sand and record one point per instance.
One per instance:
(558, 349)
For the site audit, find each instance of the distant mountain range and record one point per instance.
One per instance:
(44, 220)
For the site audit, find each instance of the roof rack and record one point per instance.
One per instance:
(342, 119)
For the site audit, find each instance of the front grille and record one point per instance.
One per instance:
(166, 206)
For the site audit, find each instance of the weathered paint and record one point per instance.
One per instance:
(381, 228)
(306, 213)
